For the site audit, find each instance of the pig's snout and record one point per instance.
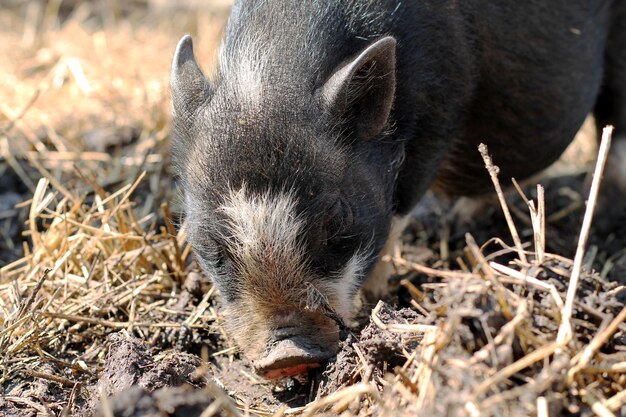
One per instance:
(292, 354)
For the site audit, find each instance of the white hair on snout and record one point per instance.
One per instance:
(345, 286)
(272, 273)
(263, 235)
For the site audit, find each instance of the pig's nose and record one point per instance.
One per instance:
(292, 355)
(286, 332)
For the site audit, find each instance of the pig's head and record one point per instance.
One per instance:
(288, 194)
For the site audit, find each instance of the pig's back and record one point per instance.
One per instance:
(540, 69)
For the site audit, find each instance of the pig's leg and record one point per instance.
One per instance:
(611, 105)
(377, 281)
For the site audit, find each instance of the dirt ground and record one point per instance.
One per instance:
(103, 311)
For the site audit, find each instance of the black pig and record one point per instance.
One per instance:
(324, 119)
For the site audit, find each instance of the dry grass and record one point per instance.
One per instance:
(84, 124)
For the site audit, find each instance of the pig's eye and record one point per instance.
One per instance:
(339, 218)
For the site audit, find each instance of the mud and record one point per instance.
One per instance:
(131, 370)
(137, 401)
(380, 350)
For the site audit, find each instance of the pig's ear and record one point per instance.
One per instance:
(190, 87)
(363, 89)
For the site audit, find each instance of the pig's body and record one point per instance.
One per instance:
(326, 118)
